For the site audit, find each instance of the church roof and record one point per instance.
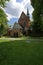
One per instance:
(24, 20)
(17, 26)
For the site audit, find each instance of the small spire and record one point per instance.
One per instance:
(28, 12)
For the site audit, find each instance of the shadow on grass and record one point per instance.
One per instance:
(21, 53)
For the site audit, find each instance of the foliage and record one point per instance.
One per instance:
(3, 22)
(37, 15)
(3, 17)
(3, 2)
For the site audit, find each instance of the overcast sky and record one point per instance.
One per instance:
(15, 7)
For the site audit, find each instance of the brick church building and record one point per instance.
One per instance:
(21, 27)
(24, 21)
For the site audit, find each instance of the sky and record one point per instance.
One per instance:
(14, 9)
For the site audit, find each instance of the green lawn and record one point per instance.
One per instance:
(21, 52)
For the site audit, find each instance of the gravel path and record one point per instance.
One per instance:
(11, 39)
(21, 39)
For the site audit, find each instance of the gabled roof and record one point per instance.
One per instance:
(17, 26)
(24, 20)
(22, 15)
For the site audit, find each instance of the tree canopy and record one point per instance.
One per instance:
(3, 18)
(3, 22)
(37, 15)
(3, 3)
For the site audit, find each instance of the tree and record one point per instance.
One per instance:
(3, 18)
(37, 15)
(3, 22)
(3, 3)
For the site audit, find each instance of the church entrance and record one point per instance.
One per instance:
(16, 34)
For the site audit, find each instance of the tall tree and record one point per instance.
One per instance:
(3, 22)
(3, 18)
(37, 15)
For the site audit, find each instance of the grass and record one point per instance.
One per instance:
(21, 52)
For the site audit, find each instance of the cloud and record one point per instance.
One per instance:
(14, 8)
